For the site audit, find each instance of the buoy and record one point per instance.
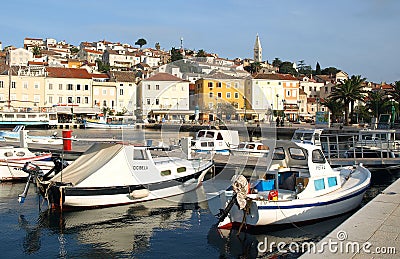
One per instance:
(273, 195)
(138, 194)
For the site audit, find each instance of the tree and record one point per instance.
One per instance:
(317, 69)
(253, 68)
(176, 54)
(141, 42)
(201, 53)
(276, 62)
(101, 67)
(287, 68)
(74, 50)
(329, 71)
(334, 106)
(157, 46)
(376, 101)
(36, 51)
(348, 92)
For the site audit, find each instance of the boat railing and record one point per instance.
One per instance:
(348, 146)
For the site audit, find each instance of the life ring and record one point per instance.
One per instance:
(43, 109)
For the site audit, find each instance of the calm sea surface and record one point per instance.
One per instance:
(180, 227)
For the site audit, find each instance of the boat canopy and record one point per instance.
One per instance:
(96, 157)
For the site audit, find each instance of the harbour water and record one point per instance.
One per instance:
(178, 227)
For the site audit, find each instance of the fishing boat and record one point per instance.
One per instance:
(13, 159)
(298, 186)
(107, 122)
(116, 174)
(251, 148)
(15, 135)
(215, 141)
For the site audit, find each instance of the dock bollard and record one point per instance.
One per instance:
(67, 140)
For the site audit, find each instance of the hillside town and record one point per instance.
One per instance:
(101, 77)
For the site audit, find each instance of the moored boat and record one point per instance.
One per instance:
(117, 174)
(251, 148)
(215, 141)
(13, 159)
(15, 134)
(110, 123)
(298, 186)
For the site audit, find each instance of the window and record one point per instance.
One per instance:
(228, 85)
(181, 169)
(288, 93)
(228, 95)
(211, 95)
(148, 87)
(319, 184)
(157, 101)
(60, 87)
(86, 99)
(121, 91)
(13, 85)
(104, 91)
(70, 100)
(279, 154)
(60, 100)
(236, 95)
(78, 87)
(165, 172)
(326, 89)
(318, 157)
(219, 85)
(139, 154)
(219, 95)
(219, 136)
(297, 153)
(36, 85)
(25, 85)
(310, 88)
(105, 103)
(50, 99)
(236, 85)
(86, 87)
(148, 101)
(78, 99)
(157, 87)
(70, 87)
(210, 84)
(50, 86)
(1, 84)
(332, 181)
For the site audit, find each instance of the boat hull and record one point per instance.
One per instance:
(265, 212)
(75, 198)
(99, 125)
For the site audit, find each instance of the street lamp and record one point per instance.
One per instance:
(245, 114)
(283, 102)
(277, 97)
(393, 113)
(298, 110)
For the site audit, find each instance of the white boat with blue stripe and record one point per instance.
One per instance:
(298, 186)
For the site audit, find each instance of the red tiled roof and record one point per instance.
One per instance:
(276, 77)
(60, 72)
(93, 51)
(163, 77)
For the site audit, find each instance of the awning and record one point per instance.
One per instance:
(77, 110)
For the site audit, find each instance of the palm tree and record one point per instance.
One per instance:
(377, 102)
(334, 106)
(348, 92)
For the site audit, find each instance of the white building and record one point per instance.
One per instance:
(164, 96)
(18, 57)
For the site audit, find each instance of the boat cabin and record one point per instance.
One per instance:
(215, 140)
(307, 136)
(300, 170)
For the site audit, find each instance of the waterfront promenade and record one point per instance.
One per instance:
(372, 232)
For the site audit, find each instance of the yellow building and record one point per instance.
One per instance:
(220, 95)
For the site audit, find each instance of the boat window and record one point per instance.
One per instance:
(250, 146)
(210, 134)
(219, 136)
(297, 136)
(297, 153)
(279, 154)
(382, 136)
(318, 156)
(20, 153)
(9, 115)
(22, 116)
(210, 144)
(8, 154)
(203, 144)
(139, 154)
(241, 145)
(307, 136)
(332, 181)
(32, 116)
(193, 143)
(262, 147)
(319, 184)
(201, 133)
(181, 169)
(165, 172)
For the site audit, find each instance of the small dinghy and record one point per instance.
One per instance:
(298, 186)
(116, 174)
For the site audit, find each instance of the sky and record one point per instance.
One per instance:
(360, 37)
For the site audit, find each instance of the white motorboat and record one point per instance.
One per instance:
(298, 186)
(251, 148)
(15, 134)
(115, 174)
(215, 141)
(109, 123)
(13, 159)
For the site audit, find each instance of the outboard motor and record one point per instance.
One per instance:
(34, 171)
(59, 165)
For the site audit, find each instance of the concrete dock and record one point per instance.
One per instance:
(372, 232)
